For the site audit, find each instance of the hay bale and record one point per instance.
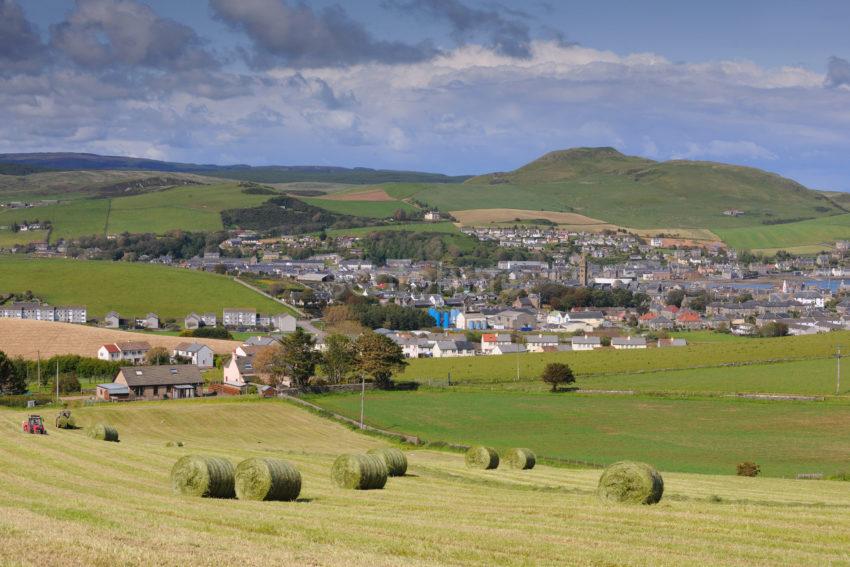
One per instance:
(103, 432)
(395, 460)
(520, 458)
(481, 457)
(66, 422)
(267, 479)
(174, 444)
(630, 482)
(361, 472)
(198, 475)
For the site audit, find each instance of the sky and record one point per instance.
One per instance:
(450, 86)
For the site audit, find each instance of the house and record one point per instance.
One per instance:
(200, 355)
(151, 321)
(414, 347)
(194, 320)
(443, 349)
(586, 343)
(433, 216)
(239, 318)
(538, 343)
(663, 343)
(490, 341)
(112, 392)
(471, 321)
(239, 372)
(112, 320)
(621, 343)
(161, 382)
(283, 322)
(259, 341)
(509, 348)
(127, 351)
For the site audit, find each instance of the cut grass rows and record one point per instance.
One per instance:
(86, 495)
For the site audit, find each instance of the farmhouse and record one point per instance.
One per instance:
(200, 355)
(129, 351)
(161, 382)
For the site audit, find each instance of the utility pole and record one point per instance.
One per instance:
(838, 371)
(38, 367)
(57, 380)
(362, 398)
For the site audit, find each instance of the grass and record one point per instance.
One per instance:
(813, 235)
(436, 227)
(687, 434)
(503, 369)
(71, 219)
(85, 495)
(9, 238)
(129, 288)
(370, 209)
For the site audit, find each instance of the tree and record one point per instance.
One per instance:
(379, 357)
(774, 329)
(12, 380)
(675, 297)
(295, 357)
(157, 355)
(339, 359)
(68, 383)
(556, 374)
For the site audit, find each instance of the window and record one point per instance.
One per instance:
(156, 390)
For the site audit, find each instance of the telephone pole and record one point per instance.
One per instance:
(838, 371)
(362, 398)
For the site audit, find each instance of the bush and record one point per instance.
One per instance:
(68, 384)
(208, 333)
(748, 468)
(21, 401)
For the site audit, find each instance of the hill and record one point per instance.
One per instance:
(69, 161)
(131, 289)
(84, 495)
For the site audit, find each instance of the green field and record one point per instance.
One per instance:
(9, 238)
(503, 369)
(131, 289)
(686, 434)
(97, 503)
(194, 208)
(814, 235)
(369, 209)
(438, 227)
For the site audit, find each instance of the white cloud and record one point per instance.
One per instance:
(725, 149)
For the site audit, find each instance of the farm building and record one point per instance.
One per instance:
(161, 382)
(112, 392)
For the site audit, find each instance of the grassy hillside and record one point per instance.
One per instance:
(805, 236)
(441, 227)
(687, 435)
(85, 495)
(129, 288)
(369, 209)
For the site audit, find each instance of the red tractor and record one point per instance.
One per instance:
(35, 425)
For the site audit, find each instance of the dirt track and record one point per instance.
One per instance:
(27, 337)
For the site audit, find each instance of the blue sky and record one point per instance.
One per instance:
(456, 86)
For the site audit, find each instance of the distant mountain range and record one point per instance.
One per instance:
(26, 163)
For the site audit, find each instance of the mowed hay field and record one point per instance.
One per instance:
(131, 289)
(804, 236)
(486, 216)
(66, 499)
(30, 338)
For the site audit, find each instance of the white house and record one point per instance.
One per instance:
(443, 349)
(239, 318)
(489, 341)
(200, 355)
(509, 348)
(239, 371)
(586, 343)
(537, 343)
(471, 321)
(129, 351)
(621, 343)
(414, 347)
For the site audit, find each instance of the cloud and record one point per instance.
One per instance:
(21, 48)
(838, 72)
(109, 33)
(504, 29)
(727, 150)
(298, 36)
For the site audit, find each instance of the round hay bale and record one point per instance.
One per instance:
(267, 479)
(481, 457)
(103, 432)
(197, 475)
(174, 444)
(395, 460)
(630, 482)
(361, 472)
(520, 458)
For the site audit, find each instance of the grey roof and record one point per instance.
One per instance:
(511, 348)
(164, 375)
(190, 347)
(586, 341)
(115, 389)
(637, 341)
(578, 315)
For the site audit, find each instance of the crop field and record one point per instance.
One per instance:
(486, 216)
(816, 234)
(369, 209)
(491, 369)
(86, 495)
(687, 434)
(131, 289)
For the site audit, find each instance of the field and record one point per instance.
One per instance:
(369, 209)
(802, 237)
(29, 338)
(193, 207)
(503, 369)
(86, 495)
(441, 227)
(131, 289)
(685, 434)
(9, 238)
(486, 216)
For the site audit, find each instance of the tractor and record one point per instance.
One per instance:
(34, 424)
